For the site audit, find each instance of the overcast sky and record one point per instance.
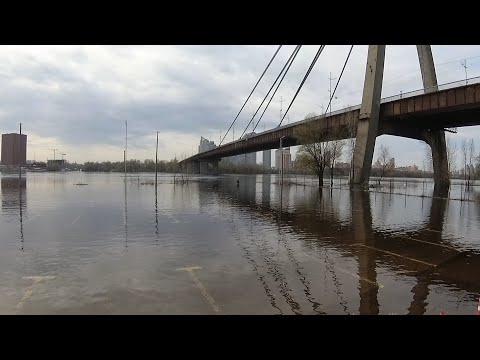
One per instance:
(77, 98)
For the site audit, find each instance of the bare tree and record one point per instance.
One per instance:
(314, 153)
(185, 169)
(336, 149)
(471, 160)
(464, 148)
(477, 166)
(451, 155)
(384, 160)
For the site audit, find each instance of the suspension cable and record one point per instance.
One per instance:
(264, 71)
(333, 93)
(280, 74)
(285, 73)
(317, 55)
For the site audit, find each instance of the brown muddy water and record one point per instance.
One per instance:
(212, 247)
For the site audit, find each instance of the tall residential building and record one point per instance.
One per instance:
(14, 149)
(243, 159)
(205, 145)
(284, 155)
(267, 159)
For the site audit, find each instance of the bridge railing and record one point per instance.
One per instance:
(445, 86)
(408, 94)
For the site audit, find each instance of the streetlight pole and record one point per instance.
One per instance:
(330, 100)
(464, 64)
(321, 107)
(281, 107)
(63, 163)
(54, 153)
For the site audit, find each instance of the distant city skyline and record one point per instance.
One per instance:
(77, 98)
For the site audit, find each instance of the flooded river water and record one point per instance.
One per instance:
(215, 246)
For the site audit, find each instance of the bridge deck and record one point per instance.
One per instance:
(451, 107)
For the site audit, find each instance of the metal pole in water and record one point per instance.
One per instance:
(20, 166)
(156, 161)
(125, 151)
(281, 160)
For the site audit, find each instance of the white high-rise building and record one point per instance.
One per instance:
(205, 145)
(243, 159)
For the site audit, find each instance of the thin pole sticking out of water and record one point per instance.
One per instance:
(156, 161)
(125, 152)
(20, 166)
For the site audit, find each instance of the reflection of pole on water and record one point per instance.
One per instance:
(250, 258)
(281, 197)
(156, 162)
(266, 183)
(267, 256)
(156, 212)
(125, 216)
(330, 266)
(298, 269)
(21, 217)
(20, 166)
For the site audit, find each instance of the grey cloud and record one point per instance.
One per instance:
(212, 83)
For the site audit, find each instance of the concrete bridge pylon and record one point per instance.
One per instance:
(367, 128)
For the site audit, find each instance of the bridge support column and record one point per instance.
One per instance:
(369, 112)
(203, 167)
(208, 167)
(193, 167)
(215, 167)
(438, 146)
(435, 138)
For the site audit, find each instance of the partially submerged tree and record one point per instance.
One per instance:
(451, 155)
(313, 154)
(320, 148)
(464, 148)
(471, 160)
(336, 149)
(384, 161)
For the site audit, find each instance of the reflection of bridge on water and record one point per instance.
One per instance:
(420, 252)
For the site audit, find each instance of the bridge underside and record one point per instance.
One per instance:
(209, 167)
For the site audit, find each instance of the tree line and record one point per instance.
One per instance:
(132, 166)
